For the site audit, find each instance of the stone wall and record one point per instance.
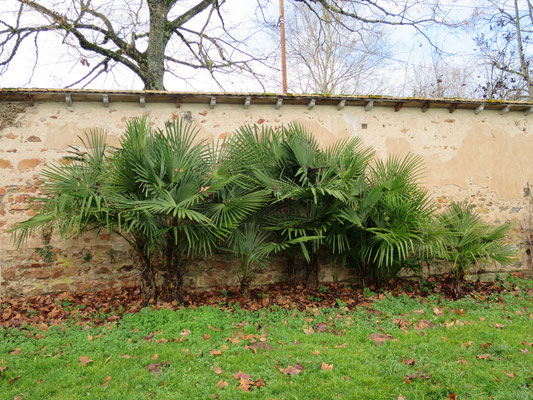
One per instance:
(483, 158)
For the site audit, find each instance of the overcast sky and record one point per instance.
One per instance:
(59, 65)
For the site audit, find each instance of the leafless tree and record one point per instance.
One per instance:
(148, 37)
(505, 44)
(442, 78)
(342, 55)
(151, 38)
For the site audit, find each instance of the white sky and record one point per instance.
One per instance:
(60, 65)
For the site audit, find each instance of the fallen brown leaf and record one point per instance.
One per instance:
(483, 356)
(437, 311)
(410, 361)
(510, 374)
(292, 369)
(341, 346)
(107, 380)
(85, 360)
(423, 325)
(379, 338)
(241, 375)
(126, 356)
(326, 367)
(259, 383)
(16, 378)
(418, 312)
(155, 369)
(107, 359)
(217, 370)
(499, 326)
(467, 344)
(214, 329)
(419, 375)
(206, 336)
(309, 331)
(316, 353)
(155, 357)
(221, 383)
(244, 384)
(216, 352)
(16, 351)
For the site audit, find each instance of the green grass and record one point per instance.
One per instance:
(49, 367)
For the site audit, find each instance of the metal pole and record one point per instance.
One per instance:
(283, 61)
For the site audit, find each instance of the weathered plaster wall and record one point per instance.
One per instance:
(483, 158)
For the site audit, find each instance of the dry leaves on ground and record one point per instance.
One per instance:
(292, 369)
(155, 369)
(379, 338)
(85, 360)
(326, 367)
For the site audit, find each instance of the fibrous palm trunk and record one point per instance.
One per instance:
(313, 270)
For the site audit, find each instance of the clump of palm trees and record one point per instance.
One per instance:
(260, 192)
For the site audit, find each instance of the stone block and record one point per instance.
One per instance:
(37, 273)
(56, 272)
(87, 286)
(60, 287)
(29, 163)
(71, 271)
(9, 274)
(5, 164)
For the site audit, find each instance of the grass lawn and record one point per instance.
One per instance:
(438, 349)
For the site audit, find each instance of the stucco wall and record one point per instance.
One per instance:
(484, 158)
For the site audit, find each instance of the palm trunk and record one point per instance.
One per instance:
(149, 287)
(245, 285)
(291, 268)
(313, 270)
(174, 270)
(458, 279)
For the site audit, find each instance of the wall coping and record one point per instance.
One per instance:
(246, 100)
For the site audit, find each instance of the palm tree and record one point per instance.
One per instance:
(159, 190)
(309, 186)
(75, 200)
(391, 226)
(469, 241)
(177, 195)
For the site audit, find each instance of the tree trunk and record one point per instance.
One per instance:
(174, 270)
(149, 287)
(524, 67)
(313, 270)
(291, 268)
(458, 279)
(153, 65)
(245, 285)
(457, 288)
(175, 281)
